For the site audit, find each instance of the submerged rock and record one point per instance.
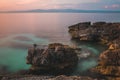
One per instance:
(56, 57)
(4, 70)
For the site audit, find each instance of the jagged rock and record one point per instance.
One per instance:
(56, 56)
(107, 33)
(109, 64)
(99, 31)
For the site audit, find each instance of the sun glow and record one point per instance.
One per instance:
(53, 4)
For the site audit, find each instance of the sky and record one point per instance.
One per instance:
(6, 5)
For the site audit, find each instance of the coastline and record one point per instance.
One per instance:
(70, 77)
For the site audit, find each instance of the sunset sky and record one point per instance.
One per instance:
(59, 4)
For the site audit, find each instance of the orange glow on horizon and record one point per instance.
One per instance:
(23, 4)
(58, 4)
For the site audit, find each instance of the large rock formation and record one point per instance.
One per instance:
(109, 64)
(99, 31)
(56, 57)
(107, 33)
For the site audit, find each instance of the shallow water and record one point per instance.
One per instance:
(19, 31)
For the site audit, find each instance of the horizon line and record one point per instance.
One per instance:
(60, 10)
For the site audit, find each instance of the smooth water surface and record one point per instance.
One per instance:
(18, 31)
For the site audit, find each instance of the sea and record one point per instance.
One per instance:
(19, 31)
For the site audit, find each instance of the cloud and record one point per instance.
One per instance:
(22, 4)
(113, 6)
(74, 1)
(25, 1)
(58, 4)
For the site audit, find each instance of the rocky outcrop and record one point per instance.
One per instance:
(106, 33)
(109, 64)
(55, 57)
(99, 31)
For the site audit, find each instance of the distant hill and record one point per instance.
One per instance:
(62, 11)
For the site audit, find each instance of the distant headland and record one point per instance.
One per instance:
(61, 11)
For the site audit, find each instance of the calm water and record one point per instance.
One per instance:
(19, 31)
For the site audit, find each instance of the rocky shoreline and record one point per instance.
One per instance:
(98, 32)
(42, 77)
(104, 33)
(63, 58)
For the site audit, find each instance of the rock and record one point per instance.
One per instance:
(106, 33)
(40, 77)
(63, 77)
(109, 64)
(4, 70)
(100, 31)
(74, 29)
(56, 57)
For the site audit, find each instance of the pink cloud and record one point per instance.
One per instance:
(112, 6)
(115, 6)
